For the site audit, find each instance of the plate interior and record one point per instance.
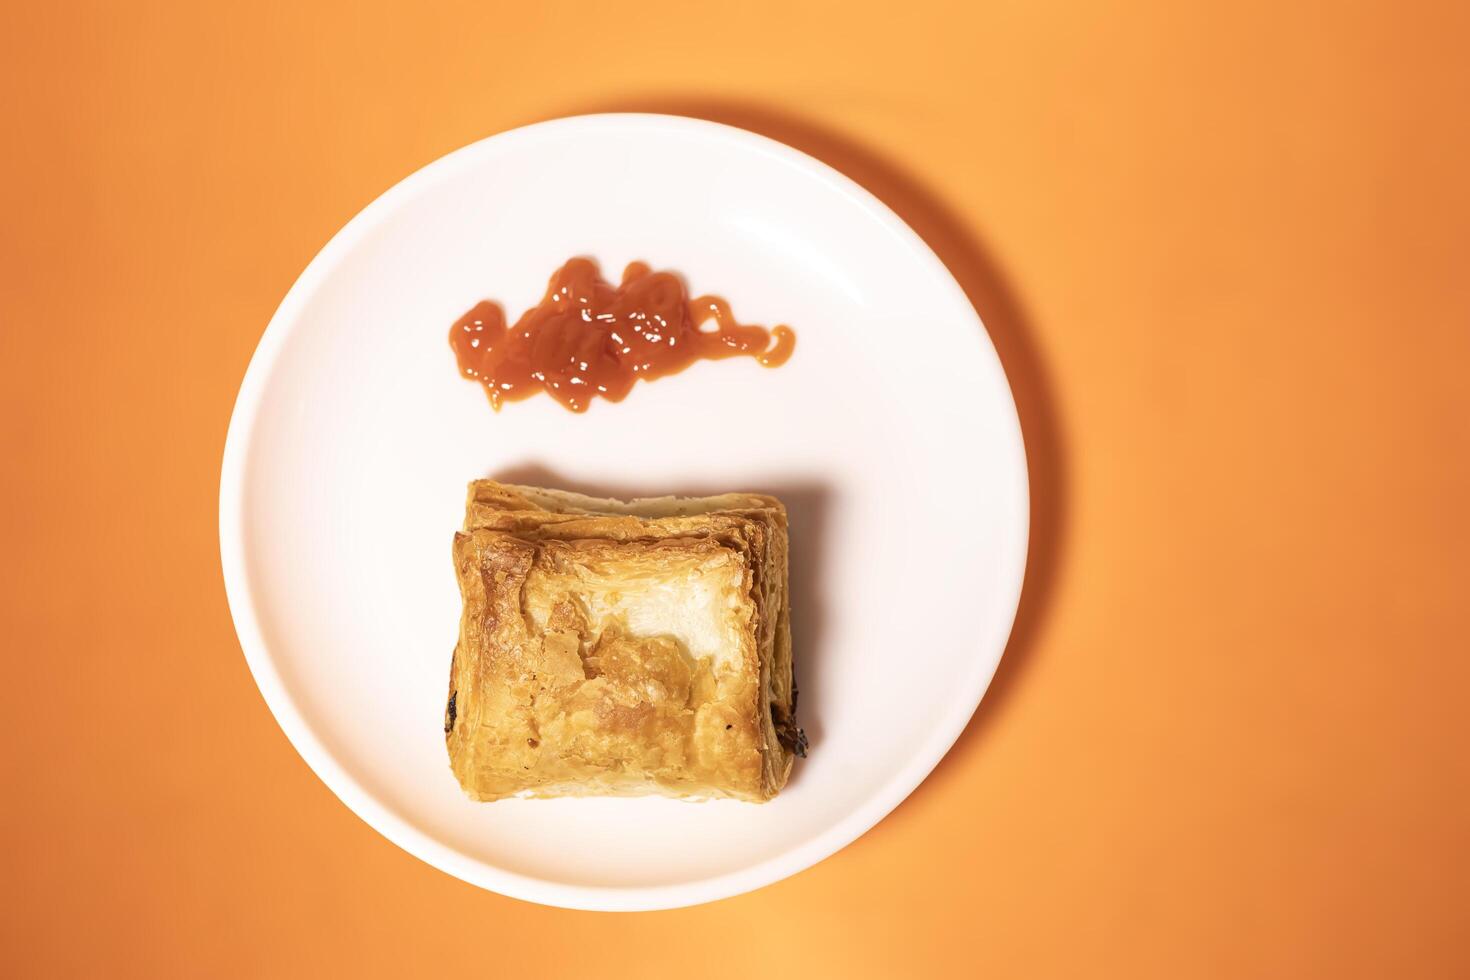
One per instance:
(891, 435)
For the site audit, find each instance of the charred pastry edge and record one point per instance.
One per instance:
(799, 744)
(789, 733)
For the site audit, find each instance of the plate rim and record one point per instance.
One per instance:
(233, 534)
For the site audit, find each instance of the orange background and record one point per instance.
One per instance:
(1223, 251)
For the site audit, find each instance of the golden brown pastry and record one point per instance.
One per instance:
(611, 648)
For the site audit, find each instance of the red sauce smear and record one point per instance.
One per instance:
(588, 339)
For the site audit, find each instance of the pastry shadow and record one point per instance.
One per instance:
(976, 269)
(807, 504)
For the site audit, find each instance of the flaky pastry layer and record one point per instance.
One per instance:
(621, 648)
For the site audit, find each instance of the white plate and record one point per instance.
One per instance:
(891, 434)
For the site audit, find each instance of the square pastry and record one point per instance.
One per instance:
(620, 649)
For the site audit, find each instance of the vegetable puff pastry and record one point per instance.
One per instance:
(611, 648)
